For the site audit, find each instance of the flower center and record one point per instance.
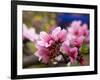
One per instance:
(54, 49)
(76, 33)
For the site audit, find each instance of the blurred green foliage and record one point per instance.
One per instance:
(44, 20)
(84, 49)
(31, 47)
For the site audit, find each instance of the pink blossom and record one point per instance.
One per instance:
(75, 28)
(79, 32)
(49, 44)
(71, 52)
(78, 29)
(29, 33)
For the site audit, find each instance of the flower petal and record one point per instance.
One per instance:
(32, 36)
(56, 32)
(25, 31)
(43, 55)
(77, 41)
(29, 33)
(41, 43)
(76, 23)
(62, 35)
(65, 48)
(73, 54)
(44, 36)
(85, 30)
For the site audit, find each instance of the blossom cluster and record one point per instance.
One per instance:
(64, 44)
(29, 34)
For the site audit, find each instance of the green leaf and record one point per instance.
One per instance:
(84, 49)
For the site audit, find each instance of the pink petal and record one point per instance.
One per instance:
(88, 39)
(25, 31)
(70, 29)
(38, 46)
(85, 30)
(56, 32)
(43, 55)
(78, 41)
(41, 43)
(85, 26)
(73, 54)
(71, 59)
(45, 44)
(76, 24)
(45, 59)
(29, 33)
(44, 36)
(70, 36)
(67, 43)
(74, 31)
(32, 36)
(62, 35)
(65, 48)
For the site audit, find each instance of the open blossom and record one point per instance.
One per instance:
(49, 44)
(78, 29)
(72, 53)
(29, 33)
(79, 32)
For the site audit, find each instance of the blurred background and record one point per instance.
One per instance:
(46, 21)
